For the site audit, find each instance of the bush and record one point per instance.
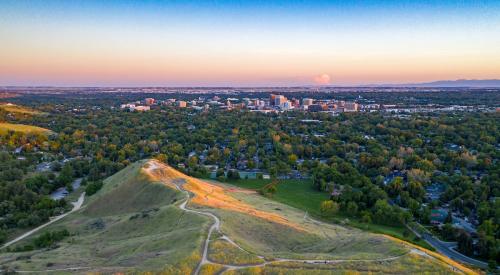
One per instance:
(269, 189)
(329, 208)
(93, 187)
(47, 239)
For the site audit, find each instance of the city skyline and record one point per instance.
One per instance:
(239, 43)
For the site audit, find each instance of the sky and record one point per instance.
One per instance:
(246, 43)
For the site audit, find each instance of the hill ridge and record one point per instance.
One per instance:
(147, 218)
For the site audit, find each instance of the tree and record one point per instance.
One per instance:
(193, 162)
(366, 217)
(329, 208)
(161, 157)
(3, 235)
(449, 218)
(417, 175)
(233, 174)
(465, 244)
(93, 187)
(292, 159)
(269, 189)
(396, 186)
(448, 232)
(416, 190)
(66, 175)
(352, 208)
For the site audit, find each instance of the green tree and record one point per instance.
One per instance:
(329, 208)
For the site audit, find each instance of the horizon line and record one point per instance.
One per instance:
(371, 85)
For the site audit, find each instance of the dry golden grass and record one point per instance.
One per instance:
(408, 264)
(207, 194)
(223, 252)
(18, 109)
(220, 196)
(186, 266)
(438, 256)
(211, 269)
(5, 127)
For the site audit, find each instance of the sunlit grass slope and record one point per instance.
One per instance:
(11, 108)
(5, 127)
(134, 224)
(130, 225)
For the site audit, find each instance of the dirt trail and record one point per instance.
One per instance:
(180, 183)
(210, 195)
(187, 185)
(204, 192)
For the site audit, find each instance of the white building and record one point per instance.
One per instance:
(307, 101)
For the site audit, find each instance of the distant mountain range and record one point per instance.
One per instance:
(466, 83)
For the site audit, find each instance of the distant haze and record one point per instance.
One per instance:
(467, 83)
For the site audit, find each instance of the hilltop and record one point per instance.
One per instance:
(12, 108)
(5, 127)
(142, 220)
(22, 111)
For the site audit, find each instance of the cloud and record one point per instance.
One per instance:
(322, 79)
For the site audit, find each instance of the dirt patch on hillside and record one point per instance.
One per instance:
(208, 194)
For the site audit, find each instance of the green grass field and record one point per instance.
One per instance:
(5, 127)
(297, 193)
(302, 195)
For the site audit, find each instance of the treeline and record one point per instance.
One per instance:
(23, 200)
(24, 195)
(375, 165)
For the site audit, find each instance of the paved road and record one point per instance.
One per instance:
(76, 205)
(446, 249)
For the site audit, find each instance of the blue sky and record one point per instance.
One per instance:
(246, 42)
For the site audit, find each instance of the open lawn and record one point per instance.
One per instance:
(5, 127)
(302, 195)
(297, 193)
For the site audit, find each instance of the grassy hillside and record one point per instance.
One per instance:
(131, 224)
(137, 223)
(5, 127)
(11, 108)
(418, 264)
(297, 193)
(301, 195)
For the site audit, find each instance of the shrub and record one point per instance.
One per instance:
(93, 187)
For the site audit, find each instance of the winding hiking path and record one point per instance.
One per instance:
(216, 226)
(178, 183)
(76, 206)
